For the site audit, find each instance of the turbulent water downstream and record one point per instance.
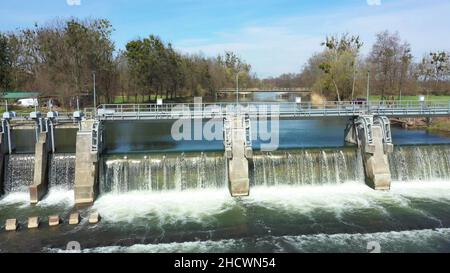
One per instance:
(310, 200)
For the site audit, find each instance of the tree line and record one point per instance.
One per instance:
(59, 59)
(341, 72)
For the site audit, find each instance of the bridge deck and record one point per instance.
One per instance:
(277, 90)
(264, 110)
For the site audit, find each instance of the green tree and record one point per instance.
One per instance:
(390, 60)
(5, 63)
(147, 61)
(339, 63)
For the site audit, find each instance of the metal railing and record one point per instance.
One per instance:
(62, 117)
(267, 109)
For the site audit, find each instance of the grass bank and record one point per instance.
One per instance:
(440, 125)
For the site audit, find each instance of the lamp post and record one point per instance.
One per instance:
(237, 86)
(95, 95)
(368, 90)
(368, 85)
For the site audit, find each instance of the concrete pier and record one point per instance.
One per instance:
(236, 151)
(11, 225)
(378, 174)
(86, 165)
(3, 151)
(33, 222)
(94, 218)
(374, 140)
(74, 218)
(54, 220)
(40, 182)
(5, 148)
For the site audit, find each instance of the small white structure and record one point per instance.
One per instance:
(27, 102)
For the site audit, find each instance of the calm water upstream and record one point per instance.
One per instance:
(168, 196)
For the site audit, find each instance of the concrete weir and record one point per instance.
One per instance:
(238, 152)
(45, 144)
(373, 136)
(5, 145)
(40, 182)
(86, 163)
(3, 151)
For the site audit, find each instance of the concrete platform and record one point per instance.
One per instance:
(74, 218)
(11, 225)
(33, 222)
(54, 220)
(94, 218)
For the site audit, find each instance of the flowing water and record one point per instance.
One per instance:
(164, 172)
(19, 171)
(62, 171)
(421, 163)
(308, 200)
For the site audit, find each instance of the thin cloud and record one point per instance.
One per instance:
(73, 2)
(285, 45)
(374, 2)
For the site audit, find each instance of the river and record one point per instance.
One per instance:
(158, 195)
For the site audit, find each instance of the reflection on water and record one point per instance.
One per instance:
(24, 140)
(155, 136)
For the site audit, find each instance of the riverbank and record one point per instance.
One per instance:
(440, 126)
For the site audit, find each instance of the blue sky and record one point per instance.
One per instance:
(274, 36)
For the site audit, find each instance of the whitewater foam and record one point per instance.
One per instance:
(168, 207)
(58, 196)
(201, 206)
(427, 240)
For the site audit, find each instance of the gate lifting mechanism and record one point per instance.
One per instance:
(6, 128)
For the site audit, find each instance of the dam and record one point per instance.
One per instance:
(336, 167)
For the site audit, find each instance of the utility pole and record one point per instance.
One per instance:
(95, 95)
(368, 91)
(368, 85)
(354, 78)
(237, 86)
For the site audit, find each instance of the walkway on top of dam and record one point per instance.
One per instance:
(283, 110)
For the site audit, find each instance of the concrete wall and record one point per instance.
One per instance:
(3, 149)
(376, 163)
(40, 182)
(86, 166)
(238, 174)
